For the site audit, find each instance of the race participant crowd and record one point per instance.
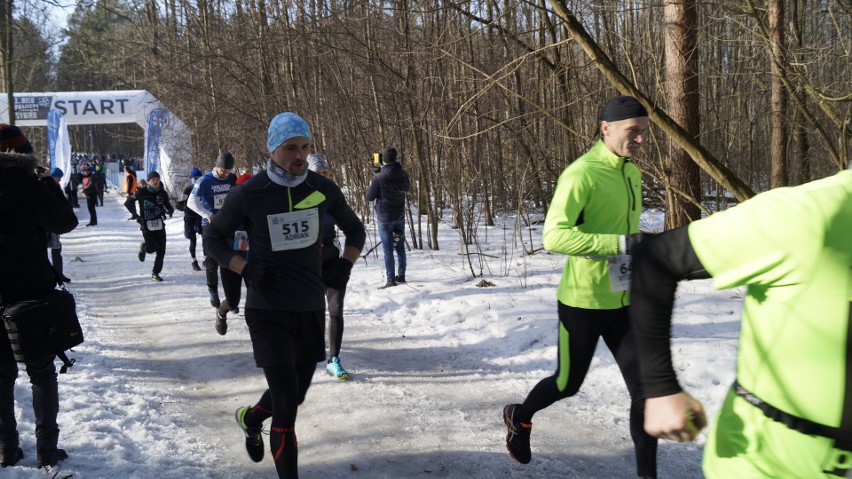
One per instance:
(788, 414)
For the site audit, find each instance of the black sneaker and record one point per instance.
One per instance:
(517, 436)
(156, 278)
(214, 298)
(142, 252)
(254, 436)
(195, 266)
(399, 279)
(222, 318)
(11, 456)
(390, 284)
(50, 457)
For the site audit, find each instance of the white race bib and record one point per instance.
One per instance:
(219, 201)
(620, 270)
(293, 230)
(155, 224)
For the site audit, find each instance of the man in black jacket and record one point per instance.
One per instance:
(154, 205)
(281, 209)
(31, 208)
(388, 190)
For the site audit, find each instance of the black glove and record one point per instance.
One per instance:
(139, 220)
(257, 276)
(338, 274)
(627, 243)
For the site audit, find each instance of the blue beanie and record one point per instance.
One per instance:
(56, 172)
(195, 172)
(285, 126)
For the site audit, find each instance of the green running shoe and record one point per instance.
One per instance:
(254, 437)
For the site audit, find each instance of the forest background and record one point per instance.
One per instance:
(486, 100)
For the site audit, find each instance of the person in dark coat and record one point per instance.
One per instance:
(191, 219)
(90, 189)
(130, 188)
(54, 242)
(388, 189)
(100, 182)
(30, 209)
(153, 205)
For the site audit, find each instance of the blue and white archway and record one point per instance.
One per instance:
(167, 139)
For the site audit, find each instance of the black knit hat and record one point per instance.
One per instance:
(225, 160)
(622, 108)
(153, 174)
(12, 139)
(389, 155)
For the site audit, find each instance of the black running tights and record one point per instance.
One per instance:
(579, 330)
(288, 385)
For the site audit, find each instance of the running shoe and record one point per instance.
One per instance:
(254, 436)
(214, 298)
(335, 370)
(221, 322)
(517, 435)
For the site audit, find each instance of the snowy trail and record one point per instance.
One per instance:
(432, 365)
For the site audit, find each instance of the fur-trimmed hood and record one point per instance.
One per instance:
(16, 176)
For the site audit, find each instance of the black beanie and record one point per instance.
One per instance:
(12, 139)
(153, 174)
(389, 155)
(225, 160)
(622, 108)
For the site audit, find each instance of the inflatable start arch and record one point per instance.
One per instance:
(167, 139)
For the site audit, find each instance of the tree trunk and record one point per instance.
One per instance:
(778, 142)
(699, 154)
(681, 25)
(6, 7)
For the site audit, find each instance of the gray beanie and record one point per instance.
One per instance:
(316, 162)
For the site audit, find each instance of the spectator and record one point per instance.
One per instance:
(30, 208)
(90, 189)
(388, 189)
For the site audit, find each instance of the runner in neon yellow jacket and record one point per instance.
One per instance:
(789, 413)
(597, 199)
(594, 220)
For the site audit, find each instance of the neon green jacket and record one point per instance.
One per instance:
(796, 262)
(598, 197)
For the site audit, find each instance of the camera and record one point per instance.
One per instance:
(377, 162)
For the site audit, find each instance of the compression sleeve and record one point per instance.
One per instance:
(194, 203)
(659, 263)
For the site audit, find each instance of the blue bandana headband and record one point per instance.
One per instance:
(285, 126)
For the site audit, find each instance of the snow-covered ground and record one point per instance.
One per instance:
(433, 362)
